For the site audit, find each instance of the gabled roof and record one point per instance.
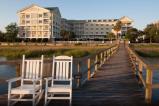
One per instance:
(29, 7)
(126, 19)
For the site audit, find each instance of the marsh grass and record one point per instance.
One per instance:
(148, 50)
(33, 52)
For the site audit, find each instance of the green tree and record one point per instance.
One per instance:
(64, 34)
(72, 35)
(67, 35)
(11, 32)
(152, 33)
(2, 36)
(132, 34)
(111, 36)
(117, 27)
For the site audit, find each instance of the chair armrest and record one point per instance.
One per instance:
(36, 80)
(13, 79)
(48, 78)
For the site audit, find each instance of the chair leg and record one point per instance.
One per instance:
(45, 98)
(9, 98)
(71, 99)
(33, 102)
(8, 102)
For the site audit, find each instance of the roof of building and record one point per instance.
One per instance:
(28, 7)
(55, 9)
(126, 19)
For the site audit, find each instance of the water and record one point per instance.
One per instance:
(6, 72)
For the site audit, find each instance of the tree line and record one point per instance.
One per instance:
(11, 33)
(149, 35)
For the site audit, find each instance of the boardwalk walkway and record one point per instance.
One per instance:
(114, 85)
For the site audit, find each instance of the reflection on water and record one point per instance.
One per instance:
(6, 72)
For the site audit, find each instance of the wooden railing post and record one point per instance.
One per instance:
(89, 69)
(96, 63)
(148, 91)
(110, 51)
(140, 66)
(78, 70)
(101, 59)
(104, 56)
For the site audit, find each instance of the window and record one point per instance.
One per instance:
(99, 20)
(104, 20)
(22, 15)
(23, 22)
(101, 32)
(91, 24)
(45, 15)
(27, 22)
(97, 28)
(46, 27)
(27, 16)
(101, 24)
(40, 21)
(91, 28)
(40, 15)
(94, 21)
(96, 32)
(101, 28)
(89, 20)
(96, 24)
(46, 21)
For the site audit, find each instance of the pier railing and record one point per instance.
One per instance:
(144, 74)
(88, 66)
(83, 68)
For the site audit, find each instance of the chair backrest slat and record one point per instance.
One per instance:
(57, 70)
(37, 69)
(62, 67)
(64, 71)
(26, 74)
(32, 69)
(67, 70)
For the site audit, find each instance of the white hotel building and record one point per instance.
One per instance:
(95, 29)
(38, 22)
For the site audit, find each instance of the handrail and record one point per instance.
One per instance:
(96, 61)
(138, 66)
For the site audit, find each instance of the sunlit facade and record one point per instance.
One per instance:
(96, 28)
(38, 22)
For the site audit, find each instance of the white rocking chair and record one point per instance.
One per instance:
(58, 89)
(31, 83)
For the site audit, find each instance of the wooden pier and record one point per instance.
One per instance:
(114, 84)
